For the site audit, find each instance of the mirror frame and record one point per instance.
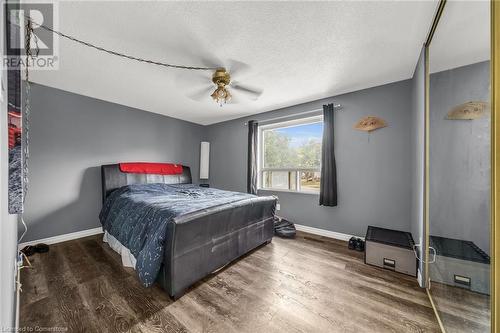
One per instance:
(495, 167)
(435, 22)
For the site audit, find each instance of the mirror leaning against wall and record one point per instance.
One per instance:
(459, 163)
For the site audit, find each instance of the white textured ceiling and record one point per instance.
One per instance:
(462, 36)
(298, 51)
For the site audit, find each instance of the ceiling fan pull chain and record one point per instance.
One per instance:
(119, 54)
(221, 77)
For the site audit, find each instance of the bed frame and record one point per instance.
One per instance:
(202, 242)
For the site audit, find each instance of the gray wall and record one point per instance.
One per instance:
(373, 169)
(72, 135)
(460, 157)
(378, 175)
(417, 225)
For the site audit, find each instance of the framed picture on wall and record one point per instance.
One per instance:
(15, 129)
(14, 117)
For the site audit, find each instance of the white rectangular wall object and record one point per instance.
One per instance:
(204, 159)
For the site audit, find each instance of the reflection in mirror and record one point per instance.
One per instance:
(459, 166)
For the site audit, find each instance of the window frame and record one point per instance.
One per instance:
(260, 154)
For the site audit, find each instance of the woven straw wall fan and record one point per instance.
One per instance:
(370, 123)
(468, 111)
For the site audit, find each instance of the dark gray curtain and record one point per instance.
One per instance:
(328, 186)
(252, 157)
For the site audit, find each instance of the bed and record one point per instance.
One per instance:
(179, 232)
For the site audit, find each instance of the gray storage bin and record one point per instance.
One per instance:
(460, 263)
(390, 249)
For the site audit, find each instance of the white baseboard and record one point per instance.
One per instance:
(325, 233)
(95, 231)
(64, 238)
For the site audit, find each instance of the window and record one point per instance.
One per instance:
(290, 155)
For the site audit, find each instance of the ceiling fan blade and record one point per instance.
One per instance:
(237, 68)
(195, 51)
(236, 97)
(246, 91)
(209, 60)
(201, 94)
(187, 80)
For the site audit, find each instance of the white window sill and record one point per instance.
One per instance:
(287, 191)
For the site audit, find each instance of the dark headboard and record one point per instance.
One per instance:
(113, 178)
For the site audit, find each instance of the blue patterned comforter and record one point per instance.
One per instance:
(137, 215)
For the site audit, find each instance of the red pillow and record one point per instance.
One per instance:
(151, 168)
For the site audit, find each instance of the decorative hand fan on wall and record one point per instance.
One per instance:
(369, 124)
(221, 86)
(468, 111)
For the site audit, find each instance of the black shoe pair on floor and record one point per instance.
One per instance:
(356, 244)
(38, 248)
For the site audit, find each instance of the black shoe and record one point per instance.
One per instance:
(32, 249)
(352, 243)
(360, 245)
(28, 250)
(41, 248)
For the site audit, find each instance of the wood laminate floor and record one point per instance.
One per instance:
(461, 310)
(308, 284)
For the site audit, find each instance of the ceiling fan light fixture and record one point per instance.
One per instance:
(221, 95)
(221, 79)
(222, 89)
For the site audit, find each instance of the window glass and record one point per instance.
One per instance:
(291, 155)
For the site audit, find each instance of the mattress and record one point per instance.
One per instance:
(128, 259)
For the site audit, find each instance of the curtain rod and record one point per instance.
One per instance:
(336, 107)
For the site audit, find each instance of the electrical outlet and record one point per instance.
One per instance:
(278, 206)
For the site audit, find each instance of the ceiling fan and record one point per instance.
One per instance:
(222, 88)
